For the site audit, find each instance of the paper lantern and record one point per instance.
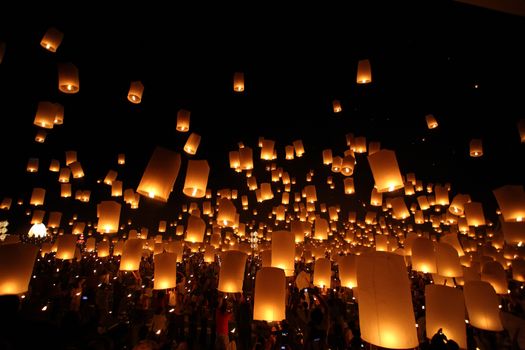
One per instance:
(482, 306)
(269, 302)
(108, 217)
(381, 243)
(385, 171)
(431, 121)
(40, 136)
(165, 272)
(386, 316)
(45, 115)
(118, 248)
(76, 170)
(116, 188)
(364, 72)
(347, 271)
(399, 208)
(322, 273)
(457, 207)
(52, 39)
(54, 219)
(209, 254)
(349, 185)
(54, 166)
(518, 270)
(59, 114)
(476, 148)
(267, 149)
(196, 180)
(162, 226)
(196, 229)
(68, 78)
(16, 267)
(227, 212)
(66, 246)
(311, 193)
(359, 145)
(336, 105)
(441, 194)
(511, 201)
(299, 148)
(131, 255)
(32, 165)
(521, 129)
(37, 196)
(65, 190)
(192, 143)
(38, 230)
(246, 158)
(135, 92)
(348, 164)
(231, 274)
(238, 82)
(452, 239)
(160, 174)
(445, 310)
(183, 120)
(38, 217)
(64, 175)
(423, 255)
(321, 228)
(327, 157)
(90, 244)
(494, 274)
(103, 249)
(474, 214)
(78, 228)
(447, 261)
(283, 251)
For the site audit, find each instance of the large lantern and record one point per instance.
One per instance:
(16, 267)
(108, 217)
(322, 273)
(364, 72)
(385, 170)
(165, 270)
(231, 275)
(269, 302)
(196, 178)
(283, 251)
(160, 174)
(482, 306)
(52, 39)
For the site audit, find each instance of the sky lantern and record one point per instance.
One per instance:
(399, 209)
(482, 306)
(431, 121)
(327, 157)
(68, 78)
(52, 39)
(267, 149)
(195, 230)
(116, 188)
(66, 245)
(289, 152)
(441, 195)
(65, 190)
(447, 261)
(121, 159)
(348, 183)
(518, 270)
(108, 217)
(192, 143)
(299, 148)
(32, 165)
(160, 174)
(45, 115)
(64, 175)
(457, 207)
(386, 316)
(183, 120)
(136, 90)
(322, 272)
(54, 166)
(423, 255)
(474, 214)
(270, 295)
(231, 274)
(227, 211)
(246, 158)
(76, 170)
(196, 180)
(103, 249)
(493, 273)
(238, 81)
(336, 106)
(165, 271)
(347, 271)
(283, 251)
(364, 72)
(321, 229)
(16, 267)
(476, 148)
(38, 217)
(445, 310)
(131, 254)
(385, 170)
(511, 201)
(37, 196)
(54, 219)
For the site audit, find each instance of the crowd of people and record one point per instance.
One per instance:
(90, 304)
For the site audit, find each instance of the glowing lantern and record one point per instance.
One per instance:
(76, 170)
(452, 239)
(322, 273)
(38, 216)
(65, 190)
(121, 159)
(246, 158)
(183, 120)
(348, 164)
(482, 305)
(32, 165)
(68, 78)
(476, 148)
(45, 115)
(321, 228)
(131, 255)
(196, 178)
(445, 311)
(227, 211)
(38, 230)
(108, 217)
(381, 243)
(511, 200)
(192, 143)
(359, 145)
(16, 267)
(347, 271)
(160, 174)
(283, 251)
(521, 129)
(423, 255)
(64, 175)
(364, 72)
(116, 188)
(66, 245)
(40, 136)
(231, 275)
(165, 271)
(311, 193)
(54, 166)
(209, 254)
(196, 229)
(399, 208)
(118, 248)
(457, 207)
(349, 185)
(494, 274)
(386, 316)
(135, 92)
(267, 149)
(299, 148)
(238, 82)
(447, 261)
(327, 157)
(38, 196)
(103, 249)
(90, 244)
(162, 226)
(52, 39)
(289, 152)
(385, 171)
(54, 219)
(474, 214)
(373, 147)
(269, 303)
(431, 123)
(336, 105)
(441, 194)
(266, 191)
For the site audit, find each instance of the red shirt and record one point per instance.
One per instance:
(221, 321)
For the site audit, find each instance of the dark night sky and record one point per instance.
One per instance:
(426, 58)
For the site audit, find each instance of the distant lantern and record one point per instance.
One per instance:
(110, 177)
(66, 245)
(376, 198)
(118, 248)
(336, 105)
(327, 157)
(38, 230)
(38, 196)
(311, 193)
(267, 149)
(511, 200)
(116, 188)
(38, 216)
(76, 170)
(364, 72)
(196, 181)
(45, 115)
(349, 185)
(399, 209)
(321, 228)
(521, 129)
(235, 161)
(64, 175)
(385, 170)
(227, 212)
(246, 158)
(482, 306)
(16, 267)
(135, 92)
(40, 136)
(386, 316)
(68, 78)
(108, 217)
(299, 148)
(445, 312)
(195, 230)
(474, 214)
(65, 190)
(165, 271)
(423, 255)
(457, 207)
(209, 254)
(162, 226)
(192, 143)
(283, 251)
(54, 219)
(231, 274)
(347, 167)
(381, 243)
(270, 303)
(347, 271)
(59, 114)
(183, 120)
(54, 165)
(238, 82)
(337, 164)
(493, 273)
(447, 261)
(103, 249)
(476, 148)
(359, 145)
(121, 159)
(441, 195)
(160, 174)
(131, 255)
(71, 157)
(373, 147)
(322, 273)
(52, 39)
(431, 121)
(6, 203)
(90, 244)
(32, 165)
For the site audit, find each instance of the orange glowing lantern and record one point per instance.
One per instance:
(196, 178)
(431, 121)
(136, 90)
(108, 217)
(385, 170)
(131, 255)
(160, 174)
(476, 148)
(322, 273)
(511, 200)
(270, 303)
(45, 115)
(68, 78)
(482, 306)
(66, 245)
(16, 267)
(238, 82)
(52, 39)
(283, 251)
(231, 274)
(165, 271)
(364, 72)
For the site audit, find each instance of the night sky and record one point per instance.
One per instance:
(465, 65)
